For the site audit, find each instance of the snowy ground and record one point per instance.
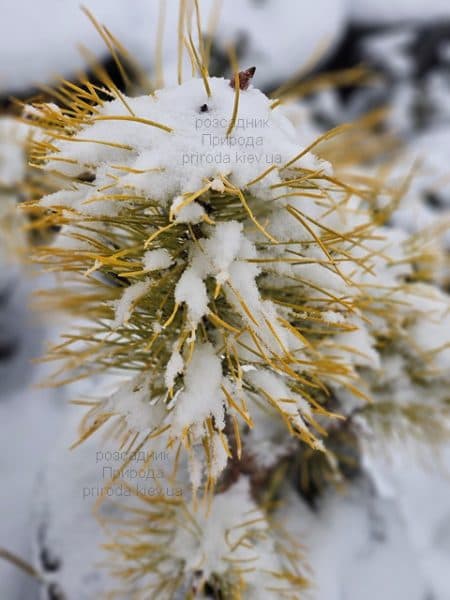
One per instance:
(52, 30)
(30, 420)
(387, 537)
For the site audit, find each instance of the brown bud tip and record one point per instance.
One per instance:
(244, 78)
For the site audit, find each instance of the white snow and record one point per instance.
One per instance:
(155, 260)
(201, 397)
(175, 366)
(223, 248)
(191, 290)
(233, 517)
(126, 304)
(30, 420)
(131, 400)
(431, 338)
(357, 346)
(178, 162)
(285, 400)
(192, 213)
(266, 441)
(228, 510)
(64, 521)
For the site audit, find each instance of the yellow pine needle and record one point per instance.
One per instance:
(191, 57)
(90, 94)
(296, 333)
(101, 31)
(21, 564)
(298, 215)
(101, 420)
(181, 25)
(159, 82)
(200, 37)
(216, 320)
(353, 76)
(113, 198)
(172, 316)
(201, 67)
(246, 417)
(237, 437)
(325, 136)
(133, 119)
(237, 89)
(276, 336)
(188, 199)
(236, 191)
(138, 171)
(161, 230)
(68, 138)
(225, 444)
(261, 176)
(243, 304)
(103, 76)
(139, 70)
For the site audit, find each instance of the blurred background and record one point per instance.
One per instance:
(342, 59)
